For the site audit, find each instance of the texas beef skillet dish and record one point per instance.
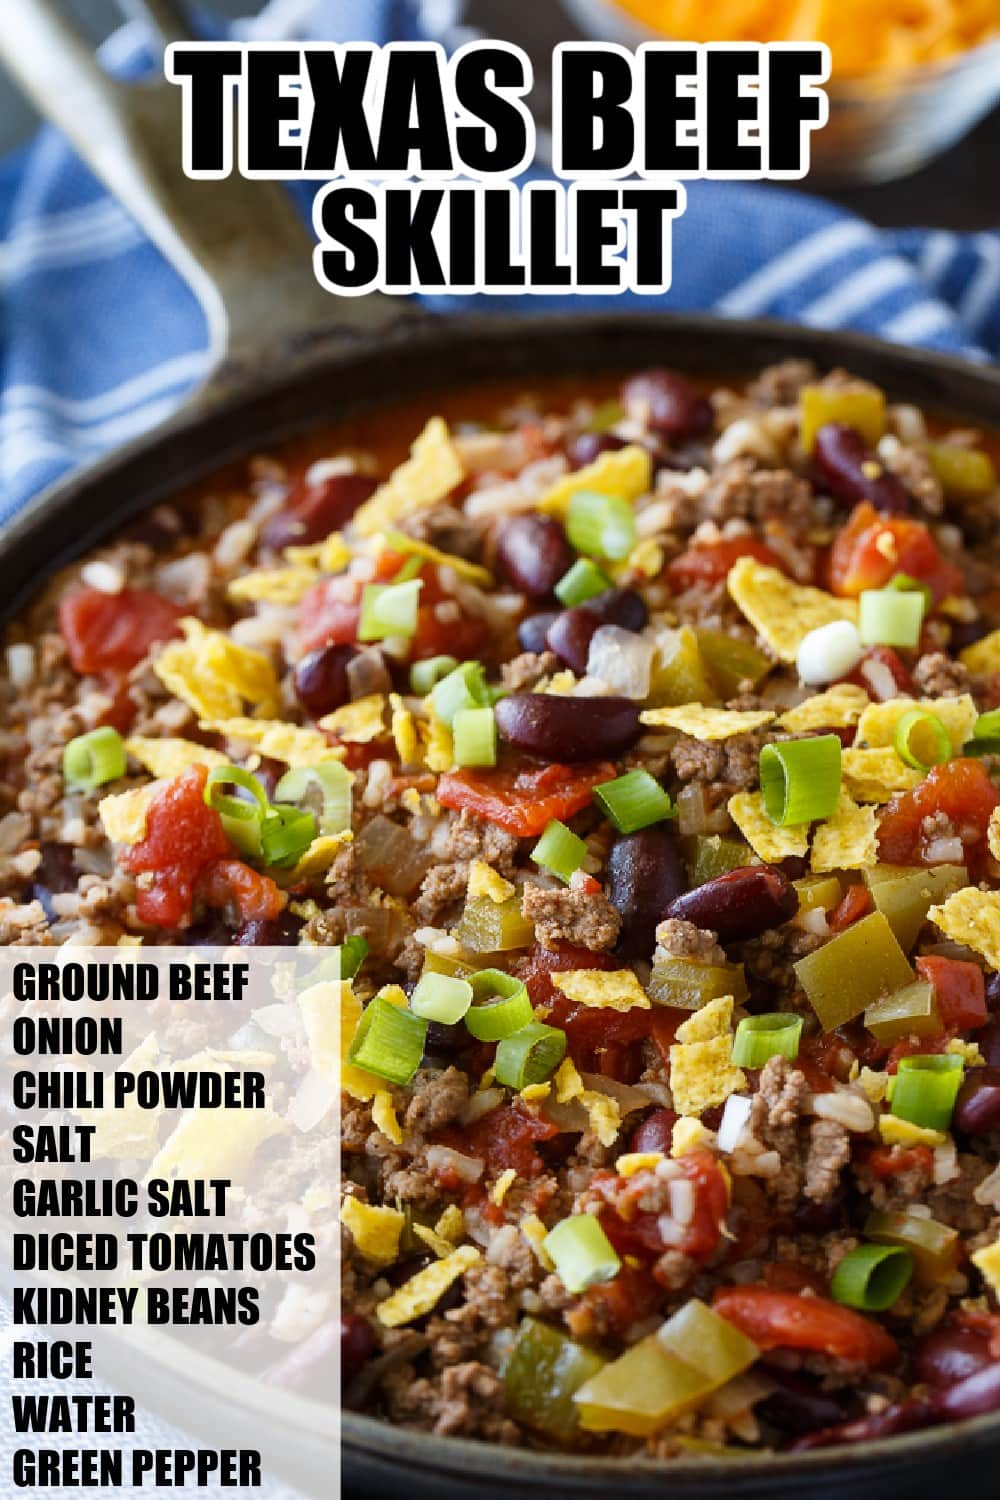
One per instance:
(637, 751)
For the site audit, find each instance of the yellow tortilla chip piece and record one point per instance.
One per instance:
(535, 1232)
(646, 558)
(330, 1013)
(424, 1291)
(315, 862)
(451, 1224)
(993, 833)
(688, 1134)
(837, 708)
(983, 657)
(627, 474)
(439, 748)
(398, 541)
(485, 881)
(358, 723)
(433, 1240)
(123, 816)
(384, 1116)
(876, 775)
(968, 1051)
(502, 1186)
(215, 1142)
(375, 1230)
(972, 917)
(604, 1115)
(782, 612)
(430, 474)
(169, 757)
(403, 729)
(567, 1081)
(847, 841)
(293, 744)
(331, 555)
(214, 676)
(535, 1092)
(618, 990)
(702, 1074)
(703, 723)
(765, 838)
(987, 1261)
(711, 1020)
(897, 1132)
(637, 1161)
(877, 724)
(272, 585)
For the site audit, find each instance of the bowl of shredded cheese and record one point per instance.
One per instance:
(909, 77)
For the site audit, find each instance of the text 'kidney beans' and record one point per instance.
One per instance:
(852, 472)
(532, 633)
(534, 554)
(738, 905)
(313, 511)
(320, 680)
(559, 728)
(977, 1110)
(571, 632)
(667, 403)
(645, 874)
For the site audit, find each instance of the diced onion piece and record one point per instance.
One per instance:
(529, 1056)
(891, 617)
(622, 660)
(921, 740)
(828, 653)
(389, 609)
(581, 1253)
(443, 1159)
(634, 801)
(93, 759)
(581, 583)
(800, 779)
(441, 998)
(761, 1037)
(735, 1115)
(559, 850)
(872, 1277)
(388, 1041)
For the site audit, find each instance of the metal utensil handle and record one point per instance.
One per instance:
(241, 245)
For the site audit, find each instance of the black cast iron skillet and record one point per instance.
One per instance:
(287, 357)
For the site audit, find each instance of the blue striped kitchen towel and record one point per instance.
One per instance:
(100, 339)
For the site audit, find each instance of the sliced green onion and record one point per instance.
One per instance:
(921, 740)
(388, 1041)
(985, 735)
(581, 1253)
(389, 609)
(424, 674)
(529, 1056)
(410, 568)
(285, 835)
(890, 617)
(924, 1089)
(905, 583)
(601, 525)
(330, 783)
(242, 820)
(581, 583)
(634, 801)
(441, 997)
(559, 850)
(463, 688)
(353, 952)
(92, 759)
(475, 732)
(871, 1277)
(502, 1005)
(800, 779)
(760, 1037)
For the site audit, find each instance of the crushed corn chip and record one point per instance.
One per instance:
(604, 1115)
(535, 1092)
(439, 750)
(703, 723)
(637, 1161)
(315, 861)
(983, 657)
(397, 541)
(503, 1185)
(560, 683)
(534, 1232)
(394, 994)
(782, 612)
(628, 473)
(764, 837)
(433, 1240)
(993, 833)
(618, 990)
(358, 723)
(330, 1013)
(331, 555)
(272, 585)
(688, 1135)
(646, 558)
(837, 708)
(972, 917)
(877, 724)
(169, 757)
(702, 1074)
(214, 1143)
(384, 1116)
(847, 841)
(968, 1051)
(451, 1225)
(485, 881)
(424, 1291)
(430, 474)
(874, 1084)
(987, 1261)
(897, 1132)
(123, 816)
(876, 775)
(292, 744)
(214, 676)
(711, 1020)
(375, 1231)
(568, 1083)
(404, 731)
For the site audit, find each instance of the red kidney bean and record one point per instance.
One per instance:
(977, 1111)
(988, 1038)
(902, 1416)
(274, 932)
(357, 1344)
(55, 874)
(946, 1355)
(532, 633)
(656, 1132)
(667, 403)
(320, 680)
(587, 446)
(993, 994)
(533, 552)
(852, 472)
(645, 873)
(972, 1396)
(313, 511)
(740, 904)
(965, 633)
(799, 1405)
(571, 632)
(560, 728)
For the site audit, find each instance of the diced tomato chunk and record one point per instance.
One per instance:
(182, 838)
(870, 549)
(711, 564)
(891, 1161)
(634, 1230)
(959, 788)
(506, 1137)
(329, 613)
(959, 990)
(882, 673)
(855, 903)
(524, 800)
(113, 632)
(783, 1320)
(230, 883)
(537, 967)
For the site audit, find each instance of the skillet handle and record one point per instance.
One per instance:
(241, 245)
